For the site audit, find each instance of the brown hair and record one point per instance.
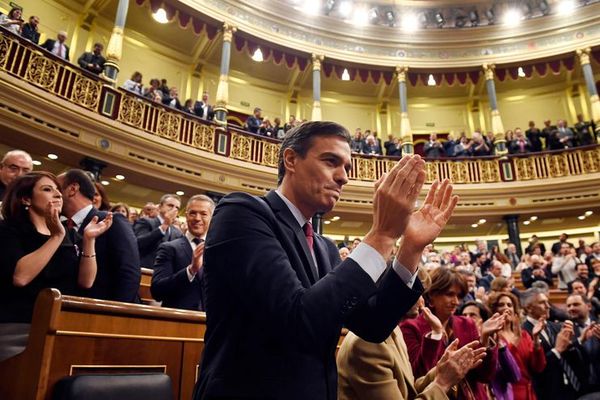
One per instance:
(118, 205)
(12, 204)
(104, 202)
(493, 301)
(442, 280)
(498, 284)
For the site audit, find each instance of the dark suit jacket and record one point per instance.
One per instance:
(198, 110)
(149, 237)
(550, 383)
(90, 58)
(528, 278)
(119, 273)
(272, 327)
(170, 282)
(30, 33)
(253, 124)
(49, 45)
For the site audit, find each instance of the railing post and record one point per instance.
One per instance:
(316, 64)
(114, 49)
(497, 127)
(406, 137)
(222, 97)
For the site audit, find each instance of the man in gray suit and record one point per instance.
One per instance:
(151, 232)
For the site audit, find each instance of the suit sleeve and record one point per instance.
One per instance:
(126, 259)
(148, 238)
(82, 61)
(165, 281)
(424, 352)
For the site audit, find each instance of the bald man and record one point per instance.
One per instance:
(14, 164)
(58, 46)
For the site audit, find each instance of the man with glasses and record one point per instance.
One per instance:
(14, 164)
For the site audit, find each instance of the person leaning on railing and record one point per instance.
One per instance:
(12, 21)
(30, 30)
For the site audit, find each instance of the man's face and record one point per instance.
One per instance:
(578, 288)
(562, 237)
(13, 167)
(98, 49)
(169, 204)
(433, 137)
(258, 113)
(61, 38)
(317, 179)
(539, 307)
(596, 247)
(547, 123)
(471, 283)
(564, 249)
(497, 269)
(577, 309)
(34, 21)
(582, 271)
(198, 215)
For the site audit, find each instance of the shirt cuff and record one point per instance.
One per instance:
(189, 273)
(435, 336)
(404, 274)
(556, 353)
(369, 260)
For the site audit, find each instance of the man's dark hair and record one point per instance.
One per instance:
(300, 139)
(80, 177)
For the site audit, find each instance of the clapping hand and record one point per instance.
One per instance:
(538, 328)
(492, 326)
(52, 216)
(434, 322)
(197, 258)
(96, 228)
(455, 364)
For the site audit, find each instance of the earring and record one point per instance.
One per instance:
(26, 206)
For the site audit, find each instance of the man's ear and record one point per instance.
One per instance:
(289, 160)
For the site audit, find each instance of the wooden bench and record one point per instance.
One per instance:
(144, 291)
(75, 335)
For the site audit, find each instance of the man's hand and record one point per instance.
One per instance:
(393, 202)
(455, 364)
(197, 258)
(564, 337)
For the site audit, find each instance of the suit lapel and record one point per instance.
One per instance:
(284, 214)
(322, 256)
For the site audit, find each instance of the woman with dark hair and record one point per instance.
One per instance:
(100, 200)
(121, 208)
(36, 252)
(527, 350)
(12, 21)
(428, 335)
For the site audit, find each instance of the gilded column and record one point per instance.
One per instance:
(114, 49)
(222, 97)
(497, 127)
(316, 109)
(588, 74)
(406, 137)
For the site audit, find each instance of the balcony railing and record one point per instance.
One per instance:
(36, 66)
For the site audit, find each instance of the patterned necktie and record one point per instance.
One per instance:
(308, 233)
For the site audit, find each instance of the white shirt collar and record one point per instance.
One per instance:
(191, 237)
(80, 215)
(295, 211)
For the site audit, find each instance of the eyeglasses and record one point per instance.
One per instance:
(16, 169)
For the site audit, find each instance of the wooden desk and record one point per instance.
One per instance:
(144, 291)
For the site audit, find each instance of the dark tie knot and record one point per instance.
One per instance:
(197, 240)
(70, 224)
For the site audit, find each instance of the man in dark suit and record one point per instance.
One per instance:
(203, 109)
(277, 295)
(58, 46)
(119, 274)
(564, 376)
(254, 121)
(151, 232)
(178, 276)
(30, 30)
(93, 61)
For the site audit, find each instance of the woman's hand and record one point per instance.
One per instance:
(95, 228)
(434, 322)
(52, 216)
(491, 326)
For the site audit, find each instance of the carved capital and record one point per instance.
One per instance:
(401, 72)
(584, 55)
(488, 69)
(317, 59)
(228, 31)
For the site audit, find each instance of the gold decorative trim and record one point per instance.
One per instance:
(497, 126)
(401, 72)
(114, 50)
(228, 31)
(488, 69)
(584, 55)
(317, 59)
(222, 96)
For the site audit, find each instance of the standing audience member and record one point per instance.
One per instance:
(172, 99)
(93, 61)
(534, 272)
(178, 277)
(57, 46)
(433, 148)
(30, 30)
(254, 121)
(153, 231)
(150, 210)
(564, 265)
(37, 254)
(565, 134)
(134, 84)
(120, 208)
(13, 21)
(203, 109)
(584, 132)
(520, 144)
(534, 135)
(512, 254)
(100, 200)
(116, 253)
(14, 164)
(133, 215)
(557, 245)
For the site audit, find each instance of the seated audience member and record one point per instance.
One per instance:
(57, 46)
(565, 134)
(265, 128)
(134, 84)
(278, 131)
(430, 333)
(188, 107)
(534, 272)
(533, 242)
(151, 232)
(100, 200)
(594, 255)
(12, 21)
(564, 372)
(150, 210)
(93, 61)
(30, 30)
(116, 253)
(371, 146)
(520, 144)
(344, 253)
(494, 272)
(178, 275)
(37, 254)
(253, 122)
(172, 99)
(203, 109)
(153, 92)
(564, 265)
(14, 164)
(121, 208)
(357, 142)
(534, 135)
(527, 350)
(433, 148)
(584, 133)
(557, 245)
(507, 267)
(507, 370)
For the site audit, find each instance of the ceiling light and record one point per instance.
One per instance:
(431, 80)
(512, 17)
(311, 7)
(581, 217)
(258, 55)
(345, 75)
(180, 193)
(533, 218)
(410, 23)
(119, 177)
(105, 183)
(36, 162)
(526, 222)
(345, 9)
(336, 218)
(588, 213)
(482, 221)
(565, 7)
(474, 225)
(521, 73)
(160, 16)
(326, 222)
(360, 16)
(52, 156)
